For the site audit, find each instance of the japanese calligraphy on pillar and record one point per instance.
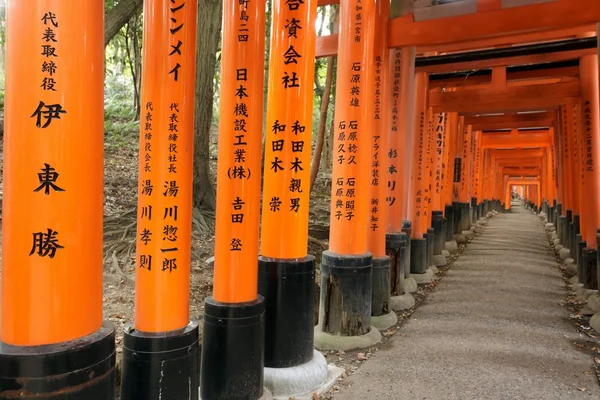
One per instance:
(289, 122)
(165, 164)
(588, 156)
(239, 155)
(45, 243)
(394, 182)
(439, 120)
(375, 209)
(352, 134)
(379, 136)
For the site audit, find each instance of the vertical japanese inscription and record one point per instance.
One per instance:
(289, 130)
(394, 180)
(45, 243)
(352, 132)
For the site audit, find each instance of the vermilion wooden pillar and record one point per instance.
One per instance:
(51, 304)
(286, 271)
(164, 230)
(346, 269)
(232, 359)
(590, 136)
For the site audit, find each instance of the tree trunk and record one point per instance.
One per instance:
(209, 30)
(118, 16)
(316, 161)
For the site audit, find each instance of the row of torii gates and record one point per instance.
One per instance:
(422, 155)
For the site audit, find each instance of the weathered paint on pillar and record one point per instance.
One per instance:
(417, 179)
(240, 139)
(53, 195)
(285, 205)
(590, 134)
(379, 137)
(165, 168)
(352, 133)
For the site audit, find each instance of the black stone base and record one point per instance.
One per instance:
(233, 350)
(449, 215)
(395, 248)
(346, 294)
(82, 369)
(589, 268)
(439, 236)
(288, 287)
(380, 292)
(581, 244)
(418, 256)
(164, 364)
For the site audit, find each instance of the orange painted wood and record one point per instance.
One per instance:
(507, 61)
(515, 20)
(53, 159)
(239, 156)
(509, 121)
(522, 97)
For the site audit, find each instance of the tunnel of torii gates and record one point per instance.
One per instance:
(422, 155)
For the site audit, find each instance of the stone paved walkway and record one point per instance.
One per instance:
(492, 329)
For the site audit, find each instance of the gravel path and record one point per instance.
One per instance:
(493, 329)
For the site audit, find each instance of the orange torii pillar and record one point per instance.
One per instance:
(233, 335)
(438, 131)
(449, 168)
(477, 179)
(418, 183)
(590, 157)
(398, 242)
(382, 314)
(286, 273)
(558, 145)
(53, 341)
(566, 159)
(160, 350)
(465, 178)
(575, 177)
(428, 192)
(346, 267)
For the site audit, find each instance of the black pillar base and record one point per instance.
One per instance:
(437, 223)
(395, 248)
(380, 292)
(589, 268)
(449, 214)
(567, 232)
(581, 244)
(418, 257)
(164, 364)
(407, 228)
(573, 244)
(466, 222)
(288, 287)
(457, 217)
(430, 244)
(233, 350)
(82, 369)
(346, 294)
(598, 256)
(560, 229)
(558, 214)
